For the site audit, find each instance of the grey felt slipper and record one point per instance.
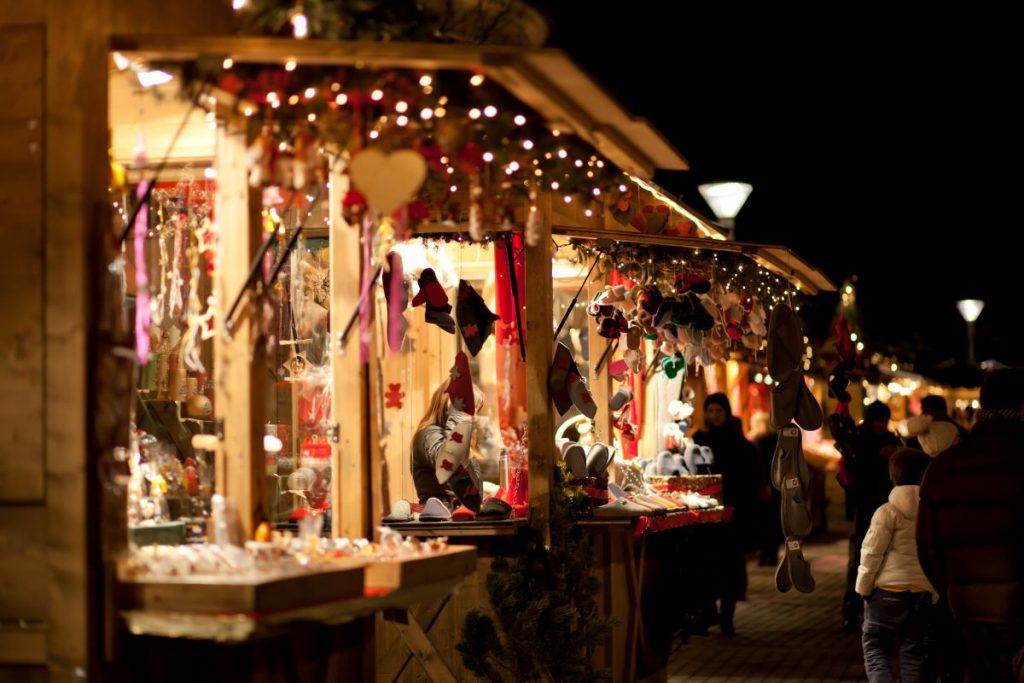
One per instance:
(789, 457)
(785, 343)
(435, 511)
(401, 511)
(799, 567)
(796, 521)
(783, 582)
(598, 458)
(576, 461)
(785, 396)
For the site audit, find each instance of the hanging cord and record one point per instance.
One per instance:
(572, 306)
(355, 314)
(612, 345)
(144, 199)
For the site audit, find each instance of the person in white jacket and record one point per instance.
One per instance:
(898, 596)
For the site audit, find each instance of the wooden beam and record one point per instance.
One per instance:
(239, 360)
(22, 647)
(539, 323)
(351, 455)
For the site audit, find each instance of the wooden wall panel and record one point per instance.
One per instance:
(21, 288)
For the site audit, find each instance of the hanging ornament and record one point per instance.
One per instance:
(388, 180)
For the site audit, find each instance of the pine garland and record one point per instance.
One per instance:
(546, 622)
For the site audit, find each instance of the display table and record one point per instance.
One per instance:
(305, 629)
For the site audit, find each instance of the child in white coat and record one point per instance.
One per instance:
(898, 596)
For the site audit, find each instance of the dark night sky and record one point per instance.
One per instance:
(879, 146)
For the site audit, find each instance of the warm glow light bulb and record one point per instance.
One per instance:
(300, 25)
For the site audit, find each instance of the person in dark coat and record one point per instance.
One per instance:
(736, 461)
(869, 487)
(970, 530)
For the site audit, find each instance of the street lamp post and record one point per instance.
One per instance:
(970, 309)
(726, 199)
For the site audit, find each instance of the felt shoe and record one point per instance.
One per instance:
(784, 398)
(476, 321)
(401, 511)
(575, 461)
(808, 411)
(799, 567)
(789, 458)
(783, 581)
(795, 519)
(620, 507)
(598, 459)
(580, 396)
(494, 508)
(620, 398)
(454, 453)
(785, 343)
(435, 511)
(463, 514)
(558, 376)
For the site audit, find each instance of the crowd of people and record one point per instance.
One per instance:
(935, 576)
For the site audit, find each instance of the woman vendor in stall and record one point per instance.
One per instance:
(443, 465)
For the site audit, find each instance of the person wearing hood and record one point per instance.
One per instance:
(898, 596)
(736, 460)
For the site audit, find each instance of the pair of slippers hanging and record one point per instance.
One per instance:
(476, 321)
(791, 400)
(437, 310)
(794, 571)
(607, 309)
(567, 386)
(790, 476)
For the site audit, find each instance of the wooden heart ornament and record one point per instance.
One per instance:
(388, 180)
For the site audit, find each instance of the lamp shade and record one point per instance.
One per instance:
(725, 199)
(970, 309)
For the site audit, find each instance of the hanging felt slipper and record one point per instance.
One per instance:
(558, 386)
(401, 511)
(674, 365)
(796, 521)
(799, 567)
(619, 369)
(454, 453)
(783, 581)
(620, 398)
(788, 458)
(433, 298)
(397, 297)
(435, 511)
(808, 411)
(581, 396)
(476, 321)
(784, 398)
(785, 343)
(460, 386)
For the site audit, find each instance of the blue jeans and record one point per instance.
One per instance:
(891, 618)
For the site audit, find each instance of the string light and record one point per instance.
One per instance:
(342, 98)
(622, 188)
(377, 95)
(476, 80)
(425, 81)
(335, 87)
(238, 4)
(426, 113)
(401, 106)
(474, 113)
(228, 63)
(588, 213)
(293, 100)
(519, 120)
(527, 144)
(554, 185)
(597, 192)
(374, 134)
(439, 112)
(568, 199)
(488, 157)
(300, 24)
(490, 111)
(454, 188)
(289, 65)
(402, 121)
(311, 118)
(562, 154)
(310, 92)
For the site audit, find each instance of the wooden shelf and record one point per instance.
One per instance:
(506, 527)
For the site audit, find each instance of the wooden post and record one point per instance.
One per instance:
(239, 365)
(539, 322)
(600, 382)
(349, 402)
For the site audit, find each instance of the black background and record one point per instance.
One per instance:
(881, 146)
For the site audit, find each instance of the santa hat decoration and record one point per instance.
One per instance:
(476, 321)
(435, 301)
(397, 298)
(460, 386)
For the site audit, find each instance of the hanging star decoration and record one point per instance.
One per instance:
(393, 397)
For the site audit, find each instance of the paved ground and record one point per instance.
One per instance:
(782, 637)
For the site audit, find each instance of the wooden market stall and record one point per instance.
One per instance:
(73, 368)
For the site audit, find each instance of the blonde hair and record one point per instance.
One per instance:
(437, 410)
